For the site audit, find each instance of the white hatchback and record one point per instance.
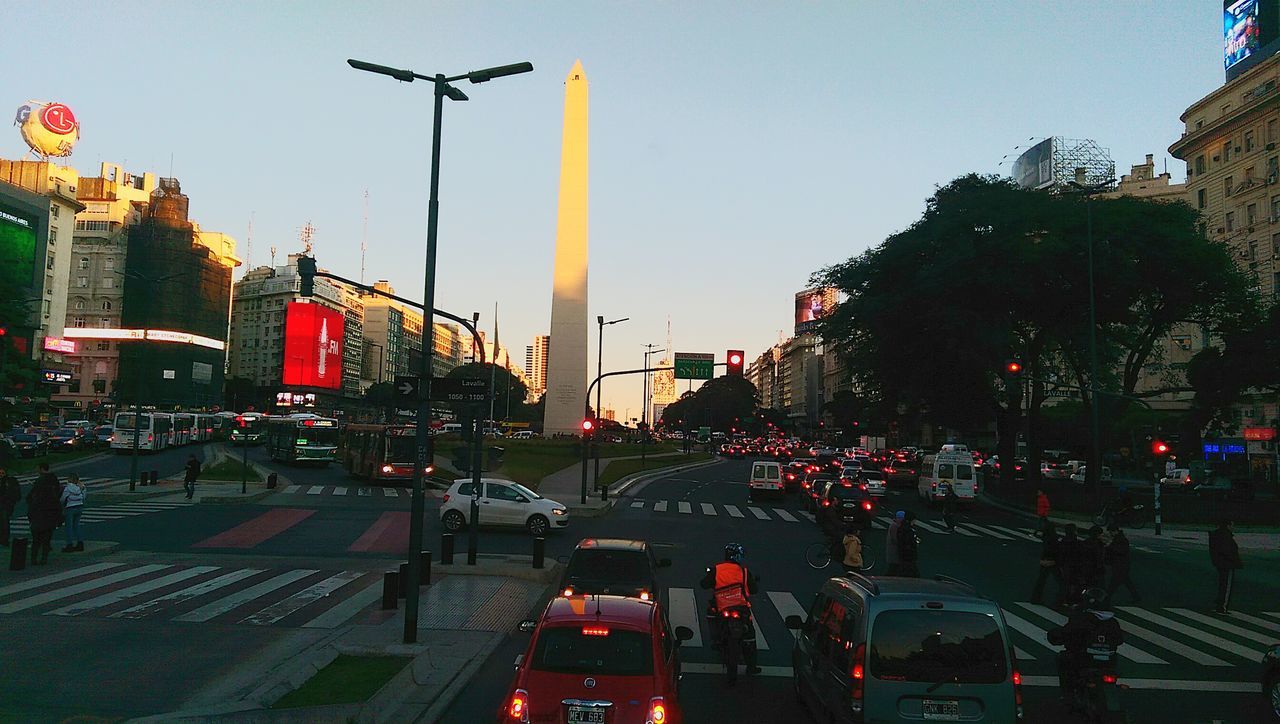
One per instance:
(501, 502)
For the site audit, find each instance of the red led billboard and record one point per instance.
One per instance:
(312, 346)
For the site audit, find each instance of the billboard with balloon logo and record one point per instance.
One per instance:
(50, 129)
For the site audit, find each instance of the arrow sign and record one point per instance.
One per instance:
(407, 386)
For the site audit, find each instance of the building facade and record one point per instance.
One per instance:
(393, 339)
(535, 364)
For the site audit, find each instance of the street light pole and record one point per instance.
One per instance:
(644, 409)
(599, 371)
(422, 438)
(1093, 470)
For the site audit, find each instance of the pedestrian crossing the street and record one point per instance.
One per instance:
(302, 598)
(100, 513)
(354, 491)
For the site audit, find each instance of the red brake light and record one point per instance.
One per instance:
(595, 631)
(657, 710)
(446, 498)
(866, 505)
(826, 503)
(1017, 679)
(856, 672)
(518, 710)
(1108, 678)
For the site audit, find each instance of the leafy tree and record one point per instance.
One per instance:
(505, 385)
(721, 403)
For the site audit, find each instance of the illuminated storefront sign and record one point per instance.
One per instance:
(155, 335)
(58, 344)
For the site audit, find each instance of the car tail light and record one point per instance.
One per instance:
(1108, 678)
(866, 505)
(826, 503)
(445, 499)
(518, 709)
(863, 487)
(644, 595)
(387, 469)
(568, 591)
(150, 437)
(856, 673)
(595, 631)
(657, 711)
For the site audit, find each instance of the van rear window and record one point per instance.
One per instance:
(932, 646)
(964, 472)
(946, 470)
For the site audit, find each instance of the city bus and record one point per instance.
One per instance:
(153, 434)
(184, 424)
(248, 428)
(380, 452)
(204, 427)
(302, 439)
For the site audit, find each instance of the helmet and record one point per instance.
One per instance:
(1093, 597)
(734, 552)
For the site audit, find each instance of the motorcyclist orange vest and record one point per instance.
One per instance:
(731, 585)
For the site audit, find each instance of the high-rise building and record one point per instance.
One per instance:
(393, 334)
(535, 364)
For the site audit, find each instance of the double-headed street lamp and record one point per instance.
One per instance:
(1094, 468)
(600, 370)
(442, 90)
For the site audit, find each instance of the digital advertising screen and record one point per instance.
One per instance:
(17, 248)
(812, 305)
(312, 346)
(1250, 31)
(1034, 168)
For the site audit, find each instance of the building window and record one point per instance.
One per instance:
(79, 304)
(1275, 208)
(1275, 245)
(1199, 164)
(111, 262)
(106, 306)
(1248, 141)
(1227, 184)
(1249, 172)
(1226, 152)
(1251, 213)
(1273, 168)
(53, 236)
(1231, 221)
(1273, 130)
(53, 210)
(78, 322)
(1201, 196)
(83, 263)
(104, 346)
(109, 283)
(1253, 251)
(105, 322)
(82, 282)
(49, 262)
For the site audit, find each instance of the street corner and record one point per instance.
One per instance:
(20, 565)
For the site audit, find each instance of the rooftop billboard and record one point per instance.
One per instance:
(312, 346)
(1250, 32)
(812, 305)
(1034, 168)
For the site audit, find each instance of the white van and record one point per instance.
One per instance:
(952, 468)
(766, 477)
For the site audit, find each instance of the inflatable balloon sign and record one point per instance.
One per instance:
(50, 129)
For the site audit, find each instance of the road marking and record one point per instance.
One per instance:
(1028, 629)
(962, 531)
(1164, 642)
(122, 594)
(660, 506)
(307, 596)
(808, 515)
(1014, 533)
(61, 593)
(878, 525)
(1194, 633)
(64, 575)
(342, 612)
(1128, 651)
(708, 509)
(758, 513)
(733, 511)
(638, 504)
(684, 507)
(1271, 614)
(291, 489)
(683, 611)
(315, 489)
(186, 594)
(351, 490)
(1022, 655)
(787, 605)
(257, 530)
(761, 643)
(771, 671)
(785, 515)
(986, 531)
(930, 528)
(1222, 625)
(1255, 621)
(239, 598)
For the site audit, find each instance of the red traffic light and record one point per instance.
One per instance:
(734, 359)
(588, 425)
(1159, 447)
(1013, 367)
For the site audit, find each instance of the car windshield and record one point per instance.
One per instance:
(937, 645)
(525, 491)
(597, 565)
(567, 650)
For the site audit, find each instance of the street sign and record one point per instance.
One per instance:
(695, 365)
(459, 389)
(704, 434)
(407, 386)
(56, 377)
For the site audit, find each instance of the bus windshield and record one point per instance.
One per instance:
(124, 421)
(317, 436)
(401, 449)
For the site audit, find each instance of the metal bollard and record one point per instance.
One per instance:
(446, 549)
(539, 551)
(18, 553)
(404, 580)
(426, 568)
(155, 477)
(390, 590)
(471, 552)
(604, 492)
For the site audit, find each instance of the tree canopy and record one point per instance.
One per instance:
(721, 403)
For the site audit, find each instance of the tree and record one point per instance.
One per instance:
(721, 403)
(505, 385)
(1243, 358)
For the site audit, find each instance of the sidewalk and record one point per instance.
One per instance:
(565, 485)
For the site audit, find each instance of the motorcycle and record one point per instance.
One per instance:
(733, 635)
(1094, 690)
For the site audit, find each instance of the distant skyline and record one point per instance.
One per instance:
(735, 147)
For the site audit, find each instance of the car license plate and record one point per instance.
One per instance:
(941, 710)
(582, 715)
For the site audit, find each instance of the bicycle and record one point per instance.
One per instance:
(820, 554)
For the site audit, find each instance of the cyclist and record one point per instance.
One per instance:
(732, 585)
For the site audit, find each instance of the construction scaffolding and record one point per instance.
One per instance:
(1052, 163)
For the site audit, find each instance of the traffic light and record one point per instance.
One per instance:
(587, 426)
(1012, 368)
(1159, 447)
(307, 274)
(733, 362)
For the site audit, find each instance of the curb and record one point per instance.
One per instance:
(246, 498)
(623, 484)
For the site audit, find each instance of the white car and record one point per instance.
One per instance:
(502, 502)
(875, 482)
(1079, 475)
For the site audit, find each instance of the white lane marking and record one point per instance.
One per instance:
(660, 506)
(1164, 642)
(1224, 626)
(1197, 634)
(684, 507)
(733, 511)
(239, 598)
(682, 610)
(122, 594)
(186, 594)
(64, 575)
(394, 492)
(1255, 621)
(57, 594)
(307, 596)
(1015, 533)
(761, 644)
(809, 515)
(1127, 651)
(878, 525)
(708, 508)
(930, 528)
(771, 671)
(787, 605)
(314, 489)
(1272, 614)
(342, 612)
(1022, 655)
(291, 489)
(785, 515)
(638, 504)
(758, 513)
(985, 531)
(962, 531)
(1234, 687)
(1028, 629)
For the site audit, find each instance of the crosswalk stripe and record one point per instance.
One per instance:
(1255, 621)
(808, 515)
(315, 489)
(1215, 641)
(930, 528)
(394, 492)
(363, 491)
(1271, 614)
(1164, 642)
(708, 509)
(761, 643)
(784, 515)
(1022, 655)
(342, 612)
(123, 594)
(684, 507)
(1127, 651)
(351, 490)
(758, 513)
(239, 598)
(291, 489)
(64, 575)
(23, 604)
(787, 605)
(1014, 533)
(733, 511)
(305, 597)
(186, 594)
(878, 525)
(985, 531)
(1028, 629)
(683, 611)
(638, 504)
(1223, 626)
(660, 506)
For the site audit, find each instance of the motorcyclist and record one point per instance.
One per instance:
(1090, 638)
(732, 584)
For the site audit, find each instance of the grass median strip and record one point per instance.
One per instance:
(347, 680)
(619, 469)
(529, 461)
(232, 470)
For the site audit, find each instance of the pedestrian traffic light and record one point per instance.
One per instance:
(733, 362)
(1159, 447)
(1012, 368)
(307, 274)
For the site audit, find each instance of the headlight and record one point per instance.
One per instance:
(388, 469)
(559, 511)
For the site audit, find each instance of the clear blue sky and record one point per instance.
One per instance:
(735, 147)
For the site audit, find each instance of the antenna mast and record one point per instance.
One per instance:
(248, 246)
(308, 231)
(364, 235)
(273, 256)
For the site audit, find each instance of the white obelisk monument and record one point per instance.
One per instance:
(566, 396)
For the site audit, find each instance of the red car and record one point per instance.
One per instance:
(597, 660)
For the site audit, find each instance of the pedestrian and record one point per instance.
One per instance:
(908, 547)
(1118, 559)
(45, 513)
(1093, 559)
(1042, 507)
(189, 478)
(72, 506)
(949, 502)
(10, 494)
(852, 550)
(1225, 555)
(891, 558)
(1069, 553)
(1048, 563)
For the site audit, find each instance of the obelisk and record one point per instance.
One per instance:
(566, 395)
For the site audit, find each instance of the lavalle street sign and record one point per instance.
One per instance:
(443, 389)
(695, 365)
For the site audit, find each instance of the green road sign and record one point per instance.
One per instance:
(695, 366)
(704, 434)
